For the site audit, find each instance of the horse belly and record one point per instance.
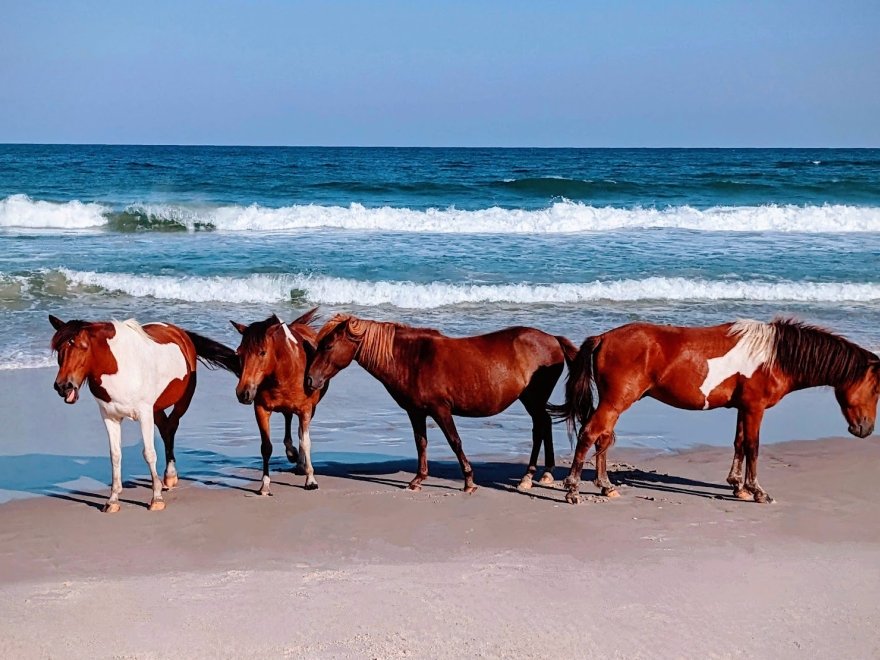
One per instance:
(679, 397)
(172, 393)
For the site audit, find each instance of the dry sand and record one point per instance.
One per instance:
(361, 568)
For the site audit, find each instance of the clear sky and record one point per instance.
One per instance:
(455, 73)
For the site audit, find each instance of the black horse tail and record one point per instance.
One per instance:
(579, 404)
(569, 349)
(213, 354)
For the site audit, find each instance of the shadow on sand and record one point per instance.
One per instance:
(61, 476)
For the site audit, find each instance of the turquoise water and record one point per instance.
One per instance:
(467, 240)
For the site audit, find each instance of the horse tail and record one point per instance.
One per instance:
(308, 318)
(569, 349)
(579, 405)
(213, 354)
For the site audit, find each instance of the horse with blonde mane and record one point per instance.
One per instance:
(431, 375)
(135, 371)
(747, 365)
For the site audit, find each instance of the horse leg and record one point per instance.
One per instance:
(535, 403)
(167, 425)
(751, 429)
(262, 415)
(420, 433)
(603, 444)
(600, 427)
(162, 423)
(447, 425)
(291, 451)
(114, 434)
(735, 477)
(146, 421)
(305, 450)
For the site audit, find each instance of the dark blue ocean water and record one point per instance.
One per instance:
(572, 240)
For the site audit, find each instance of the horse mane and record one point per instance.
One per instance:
(816, 356)
(67, 332)
(135, 327)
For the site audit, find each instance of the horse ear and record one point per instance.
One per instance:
(56, 322)
(238, 326)
(277, 319)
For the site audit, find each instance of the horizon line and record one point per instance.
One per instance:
(392, 146)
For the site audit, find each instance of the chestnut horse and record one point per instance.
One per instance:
(431, 375)
(747, 365)
(137, 372)
(273, 368)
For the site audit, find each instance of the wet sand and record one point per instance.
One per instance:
(676, 567)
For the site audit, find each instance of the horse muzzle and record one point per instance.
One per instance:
(862, 429)
(246, 395)
(67, 391)
(314, 383)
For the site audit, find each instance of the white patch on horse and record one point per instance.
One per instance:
(289, 334)
(164, 325)
(754, 348)
(144, 369)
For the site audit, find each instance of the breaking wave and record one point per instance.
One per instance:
(19, 211)
(319, 289)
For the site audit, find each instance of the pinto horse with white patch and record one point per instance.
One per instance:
(747, 365)
(273, 368)
(135, 371)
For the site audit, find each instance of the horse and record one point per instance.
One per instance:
(747, 365)
(273, 367)
(431, 375)
(135, 371)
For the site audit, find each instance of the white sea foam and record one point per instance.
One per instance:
(23, 212)
(339, 291)
(561, 217)
(18, 359)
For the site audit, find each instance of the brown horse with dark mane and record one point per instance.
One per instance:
(273, 368)
(135, 371)
(747, 365)
(431, 375)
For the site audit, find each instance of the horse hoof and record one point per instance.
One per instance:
(112, 507)
(742, 494)
(610, 492)
(156, 505)
(525, 484)
(763, 498)
(292, 456)
(170, 481)
(470, 489)
(546, 479)
(264, 492)
(312, 485)
(414, 487)
(572, 498)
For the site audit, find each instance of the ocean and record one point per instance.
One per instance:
(574, 241)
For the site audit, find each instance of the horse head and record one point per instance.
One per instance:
(338, 343)
(858, 400)
(257, 355)
(73, 342)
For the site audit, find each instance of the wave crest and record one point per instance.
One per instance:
(411, 295)
(561, 217)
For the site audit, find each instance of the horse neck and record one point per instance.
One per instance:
(101, 359)
(382, 367)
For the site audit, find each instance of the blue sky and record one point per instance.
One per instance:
(468, 73)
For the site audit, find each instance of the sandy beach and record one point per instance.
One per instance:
(362, 568)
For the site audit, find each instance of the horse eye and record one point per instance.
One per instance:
(70, 342)
(262, 353)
